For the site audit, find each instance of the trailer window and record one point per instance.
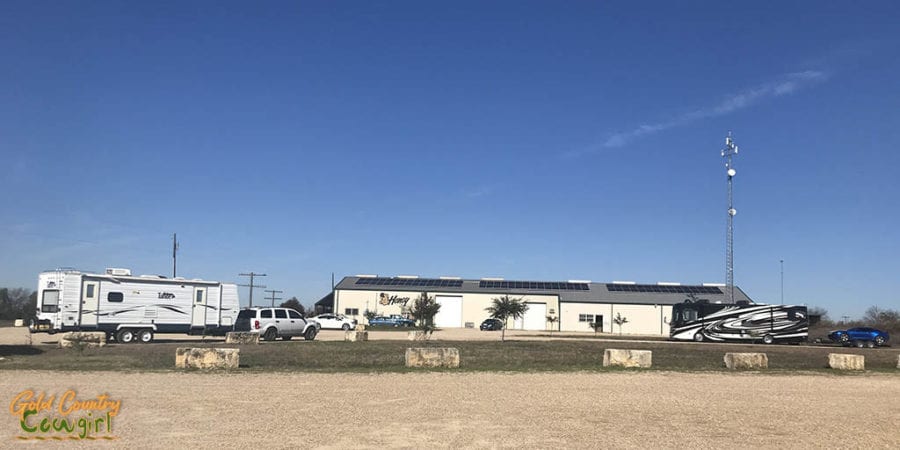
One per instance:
(50, 302)
(115, 297)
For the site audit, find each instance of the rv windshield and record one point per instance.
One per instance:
(50, 301)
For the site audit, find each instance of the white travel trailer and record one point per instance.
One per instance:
(132, 308)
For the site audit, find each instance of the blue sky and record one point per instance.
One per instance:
(528, 140)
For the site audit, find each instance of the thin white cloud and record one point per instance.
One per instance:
(783, 85)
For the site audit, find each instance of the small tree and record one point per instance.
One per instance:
(293, 303)
(552, 320)
(504, 308)
(369, 315)
(619, 320)
(596, 326)
(423, 311)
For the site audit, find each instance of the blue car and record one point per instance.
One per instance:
(860, 336)
(393, 321)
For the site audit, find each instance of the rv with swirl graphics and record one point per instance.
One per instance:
(700, 320)
(132, 308)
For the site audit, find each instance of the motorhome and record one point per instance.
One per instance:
(132, 308)
(741, 322)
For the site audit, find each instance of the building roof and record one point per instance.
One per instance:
(572, 291)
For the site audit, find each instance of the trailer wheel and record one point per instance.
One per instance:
(698, 337)
(310, 334)
(271, 334)
(125, 336)
(145, 336)
(870, 344)
(768, 339)
(859, 344)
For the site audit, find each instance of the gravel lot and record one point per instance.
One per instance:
(580, 410)
(486, 410)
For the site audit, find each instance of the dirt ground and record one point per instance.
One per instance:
(415, 410)
(482, 410)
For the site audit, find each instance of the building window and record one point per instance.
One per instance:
(115, 297)
(351, 311)
(585, 317)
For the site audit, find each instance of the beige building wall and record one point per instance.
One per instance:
(642, 319)
(473, 305)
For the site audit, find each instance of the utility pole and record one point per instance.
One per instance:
(782, 281)
(174, 254)
(273, 296)
(730, 150)
(251, 285)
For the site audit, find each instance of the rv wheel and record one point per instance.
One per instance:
(145, 336)
(768, 339)
(125, 336)
(698, 337)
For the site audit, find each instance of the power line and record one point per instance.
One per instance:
(273, 298)
(251, 285)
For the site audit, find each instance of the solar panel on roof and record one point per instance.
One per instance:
(653, 288)
(427, 282)
(534, 285)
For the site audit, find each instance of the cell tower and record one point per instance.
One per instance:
(730, 150)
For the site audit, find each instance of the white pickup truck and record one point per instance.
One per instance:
(274, 323)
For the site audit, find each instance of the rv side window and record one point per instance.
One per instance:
(792, 315)
(265, 314)
(690, 315)
(115, 297)
(50, 302)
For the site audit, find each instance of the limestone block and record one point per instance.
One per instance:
(241, 337)
(746, 361)
(88, 338)
(356, 336)
(627, 358)
(841, 361)
(432, 357)
(19, 323)
(360, 327)
(416, 335)
(207, 358)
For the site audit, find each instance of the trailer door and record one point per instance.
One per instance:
(199, 310)
(90, 295)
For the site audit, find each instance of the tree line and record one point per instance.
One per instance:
(17, 303)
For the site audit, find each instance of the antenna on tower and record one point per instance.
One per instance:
(730, 150)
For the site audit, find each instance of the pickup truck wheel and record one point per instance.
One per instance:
(125, 336)
(270, 334)
(346, 327)
(145, 336)
(879, 340)
(310, 334)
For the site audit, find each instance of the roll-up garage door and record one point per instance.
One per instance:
(450, 315)
(535, 317)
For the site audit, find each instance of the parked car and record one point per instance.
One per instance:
(334, 321)
(860, 336)
(273, 323)
(491, 325)
(393, 321)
